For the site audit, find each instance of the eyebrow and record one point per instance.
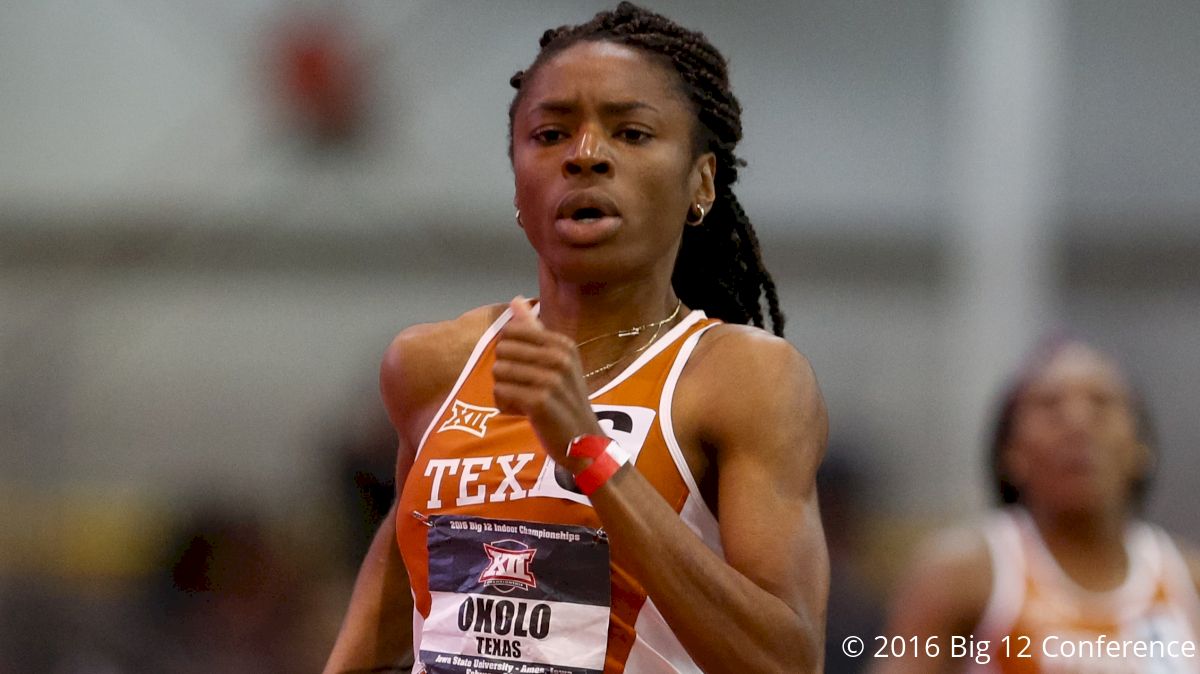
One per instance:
(612, 108)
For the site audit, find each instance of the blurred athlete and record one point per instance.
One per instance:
(1067, 559)
(620, 476)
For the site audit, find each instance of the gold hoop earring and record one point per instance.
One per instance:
(693, 219)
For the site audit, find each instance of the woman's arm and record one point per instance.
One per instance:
(762, 608)
(945, 595)
(376, 634)
(418, 369)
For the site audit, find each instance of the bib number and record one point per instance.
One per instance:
(515, 597)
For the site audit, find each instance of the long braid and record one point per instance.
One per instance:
(720, 267)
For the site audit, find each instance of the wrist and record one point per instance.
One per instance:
(599, 458)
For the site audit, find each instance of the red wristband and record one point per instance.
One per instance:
(607, 458)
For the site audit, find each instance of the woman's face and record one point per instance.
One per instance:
(605, 173)
(1074, 445)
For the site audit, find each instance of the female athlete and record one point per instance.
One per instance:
(620, 475)
(1066, 577)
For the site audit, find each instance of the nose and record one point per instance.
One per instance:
(589, 154)
(1077, 412)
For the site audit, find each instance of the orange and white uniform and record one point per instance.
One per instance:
(1038, 620)
(509, 565)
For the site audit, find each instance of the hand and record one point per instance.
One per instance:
(537, 374)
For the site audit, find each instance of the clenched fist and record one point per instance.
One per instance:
(537, 374)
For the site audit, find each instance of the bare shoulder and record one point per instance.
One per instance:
(948, 586)
(1191, 556)
(740, 372)
(944, 594)
(424, 360)
(750, 346)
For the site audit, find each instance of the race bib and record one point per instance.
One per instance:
(515, 597)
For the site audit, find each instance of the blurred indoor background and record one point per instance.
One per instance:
(215, 216)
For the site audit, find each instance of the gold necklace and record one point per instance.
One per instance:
(631, 332)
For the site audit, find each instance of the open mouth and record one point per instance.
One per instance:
(587, 217)
(590, 204)
(587, 214)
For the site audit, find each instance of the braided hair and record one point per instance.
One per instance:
(719, 268)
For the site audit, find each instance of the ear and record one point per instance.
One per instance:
(705, 169)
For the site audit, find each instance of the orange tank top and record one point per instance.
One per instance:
(1039, 621)
(508, 563)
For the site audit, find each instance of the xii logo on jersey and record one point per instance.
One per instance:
(470, 418)
(509, 569)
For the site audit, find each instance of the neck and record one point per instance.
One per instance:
(598, 310)
(1088, 545)
(585, 310)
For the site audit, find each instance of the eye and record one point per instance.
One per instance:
(1104, 400)
(1043, 402)
(633, 136)
(548, 136)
